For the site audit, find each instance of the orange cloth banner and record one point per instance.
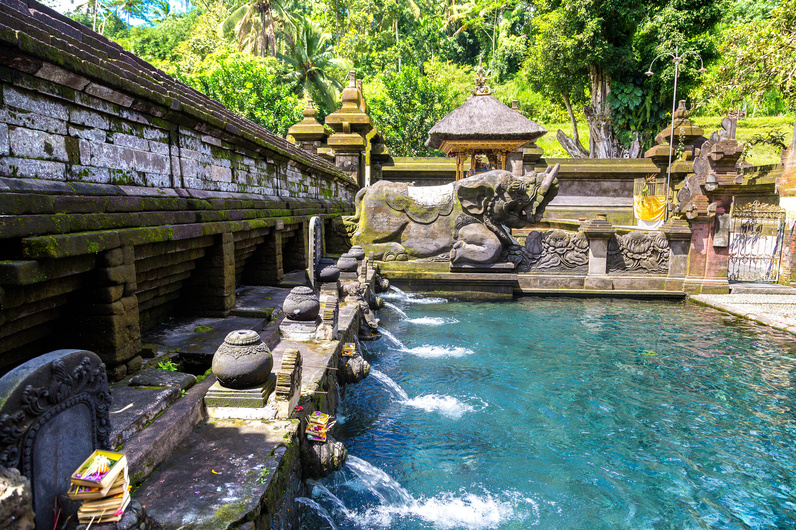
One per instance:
(649, 208)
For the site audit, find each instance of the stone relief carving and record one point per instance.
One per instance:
(639, 252)
(553, 251)
(86, 384)
(468, 221)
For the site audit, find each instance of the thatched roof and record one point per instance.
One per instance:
(484, 117)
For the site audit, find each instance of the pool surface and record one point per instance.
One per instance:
(565, 413)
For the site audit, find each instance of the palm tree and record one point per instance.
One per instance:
(161, 10)
(311, 59)
(254, 25)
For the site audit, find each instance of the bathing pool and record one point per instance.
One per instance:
(565, 414)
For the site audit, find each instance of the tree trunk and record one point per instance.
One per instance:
(598, 114)
(573, 146)
(271, 34)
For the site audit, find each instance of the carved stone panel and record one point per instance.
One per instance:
(54, 413)
(554, 251)
(639, 253)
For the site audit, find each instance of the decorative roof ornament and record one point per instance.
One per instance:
(309, 110)
(481, 89)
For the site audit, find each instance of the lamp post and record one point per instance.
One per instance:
(677, 58)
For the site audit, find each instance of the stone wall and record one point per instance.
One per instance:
(127, 197)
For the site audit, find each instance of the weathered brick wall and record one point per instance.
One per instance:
(127, 197)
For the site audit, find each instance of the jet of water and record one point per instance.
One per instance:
(394, 388)
(396, 309)
(320, 510)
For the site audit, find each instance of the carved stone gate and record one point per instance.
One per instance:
(757, 232)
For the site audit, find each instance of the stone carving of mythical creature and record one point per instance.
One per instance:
(468, 221)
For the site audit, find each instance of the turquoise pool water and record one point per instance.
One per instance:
(566, 414)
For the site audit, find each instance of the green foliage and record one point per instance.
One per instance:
(168, 364)
(253, 87)
(405, 105)
(311, 61)
(759, 57)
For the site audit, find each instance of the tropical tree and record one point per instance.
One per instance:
(311, 60)
(160, 11)
(590, 43)
(254, 25)
(762, 56)
(251, 86)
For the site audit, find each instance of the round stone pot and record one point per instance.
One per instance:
(243, 360)
(302, 304)
(357, 251)
(347, 263)
(327, 271)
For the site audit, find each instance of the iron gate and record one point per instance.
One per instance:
(757, 232)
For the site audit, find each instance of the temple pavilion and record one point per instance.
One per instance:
(484, 130)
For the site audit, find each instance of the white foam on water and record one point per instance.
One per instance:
(395, 340)
(432, 321)
(429, 351)
(321, 491)
(396, 309)
(320, 510)
(446, 405)
(413, 299)
(394, 388)
(448, 510)
(378, 482)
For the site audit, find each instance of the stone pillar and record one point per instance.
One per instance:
(598, 232)
(531, 154)
(264, 267)
(105, 320)
(786, 186)
(678, 232)
(211, 290)
(707, 265)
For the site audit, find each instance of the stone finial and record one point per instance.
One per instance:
(481, 89)
(682, 112)
(515, 105)
(352, 79)
(310, 111)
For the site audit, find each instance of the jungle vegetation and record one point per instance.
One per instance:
(574, 64)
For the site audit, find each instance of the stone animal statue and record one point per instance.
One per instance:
(467, 221)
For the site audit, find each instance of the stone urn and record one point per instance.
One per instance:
(243, 360)
(357, 251)
(327, 271)
(302, 304)
(347, 263)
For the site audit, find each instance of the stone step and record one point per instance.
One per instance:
(151, 446)
(139, 399)
(227, 474)
(760, 288)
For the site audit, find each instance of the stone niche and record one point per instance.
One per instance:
(54, 414)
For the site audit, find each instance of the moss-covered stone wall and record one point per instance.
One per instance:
(127, 197)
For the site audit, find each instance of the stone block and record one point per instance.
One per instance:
(220, 174)
(18, 204)
(134, 364)
(33, 120)
(29, 143)
(601, 283)
(32, 169)
(129, 140)
(88, 118)
(58, 75)
(116, 275)
(22, 99)
(108, 94)
(4, 146)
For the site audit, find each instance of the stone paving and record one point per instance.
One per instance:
(775, 310)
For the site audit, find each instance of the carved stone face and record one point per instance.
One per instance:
(496, 195)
